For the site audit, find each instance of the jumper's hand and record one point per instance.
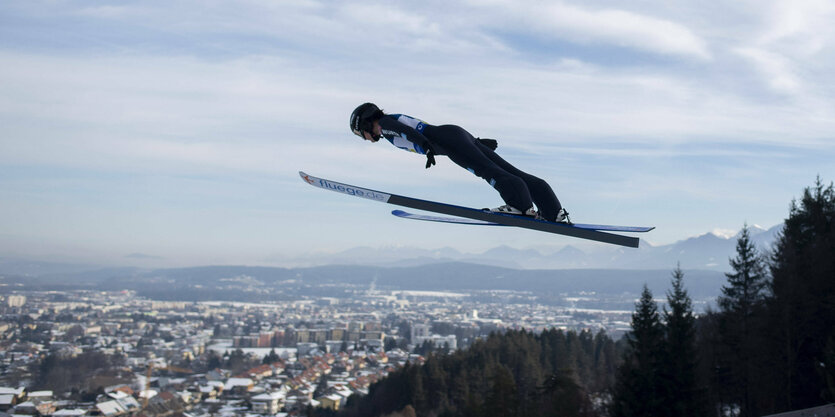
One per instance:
(490, 143)
(430, 158)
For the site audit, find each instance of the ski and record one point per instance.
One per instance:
(442, 219)
(471, 213)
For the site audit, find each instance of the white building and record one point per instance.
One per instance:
(16, 300)
(421, 333)
(267, 403)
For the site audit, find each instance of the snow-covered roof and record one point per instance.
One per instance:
(11, 391)
(268, 396)
(129, 403)
(148, 394)
(110, 408)
(70, 412)
(117, 395)
(238, 382)
(344, 392)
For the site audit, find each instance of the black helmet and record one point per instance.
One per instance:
(363, 117)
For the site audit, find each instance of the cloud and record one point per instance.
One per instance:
(787, 46)
(608, 26)
(777, 70)
(804, 25)
(116, 117)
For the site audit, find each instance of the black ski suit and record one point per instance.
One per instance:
(517, 188)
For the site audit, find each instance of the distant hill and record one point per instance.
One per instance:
(710, 251)
(244, 283)
(604, 270)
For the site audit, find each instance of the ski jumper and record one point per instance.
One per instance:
(517, 188)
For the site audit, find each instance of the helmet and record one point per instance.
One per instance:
(362, 118)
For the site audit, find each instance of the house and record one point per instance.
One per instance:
(110, 408)
(123, 389)
(260, 372)
(40, 395)
(217, 374)
(75, 412)
(186, 397)
(267, 403)
(9, 397)
(7, 401)
(129, 403)
(238, 386)
(332, 401)
(27, 407)
(207, 392)
(165, 403)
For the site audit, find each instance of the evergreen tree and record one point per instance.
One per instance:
(416, 387)
(802, 307)
(746, 286)
(740, 333)
(682, 393)
(564, 397)
(638, 390)
(502, 400)
(321, 386)
(436, 385)
(272, 357)
(605, 363)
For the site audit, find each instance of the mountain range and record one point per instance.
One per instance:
(710, 251)
(603, 270)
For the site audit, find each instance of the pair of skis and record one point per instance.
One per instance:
(467, 215)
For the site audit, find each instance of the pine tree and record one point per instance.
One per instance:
(272, 357)
(562, 396)
(638, 390)
(802, 307)
(740, 307)
(502, 399)
(682, 393)
(748, 283)
(436, 385)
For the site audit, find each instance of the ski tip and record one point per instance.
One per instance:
(306, 178)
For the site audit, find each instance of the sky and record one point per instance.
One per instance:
(160, 133)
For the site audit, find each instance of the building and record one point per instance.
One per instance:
(419, 331)
(332, 401)
(267, 403)
(337, 334)
(319, 336)
(16, 300)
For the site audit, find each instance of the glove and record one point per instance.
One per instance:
(490, 143)
(430, 158)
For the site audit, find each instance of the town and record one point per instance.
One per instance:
(83, 353)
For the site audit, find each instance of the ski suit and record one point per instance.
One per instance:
(517, 188)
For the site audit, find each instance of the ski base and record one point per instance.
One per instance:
(442, 219)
